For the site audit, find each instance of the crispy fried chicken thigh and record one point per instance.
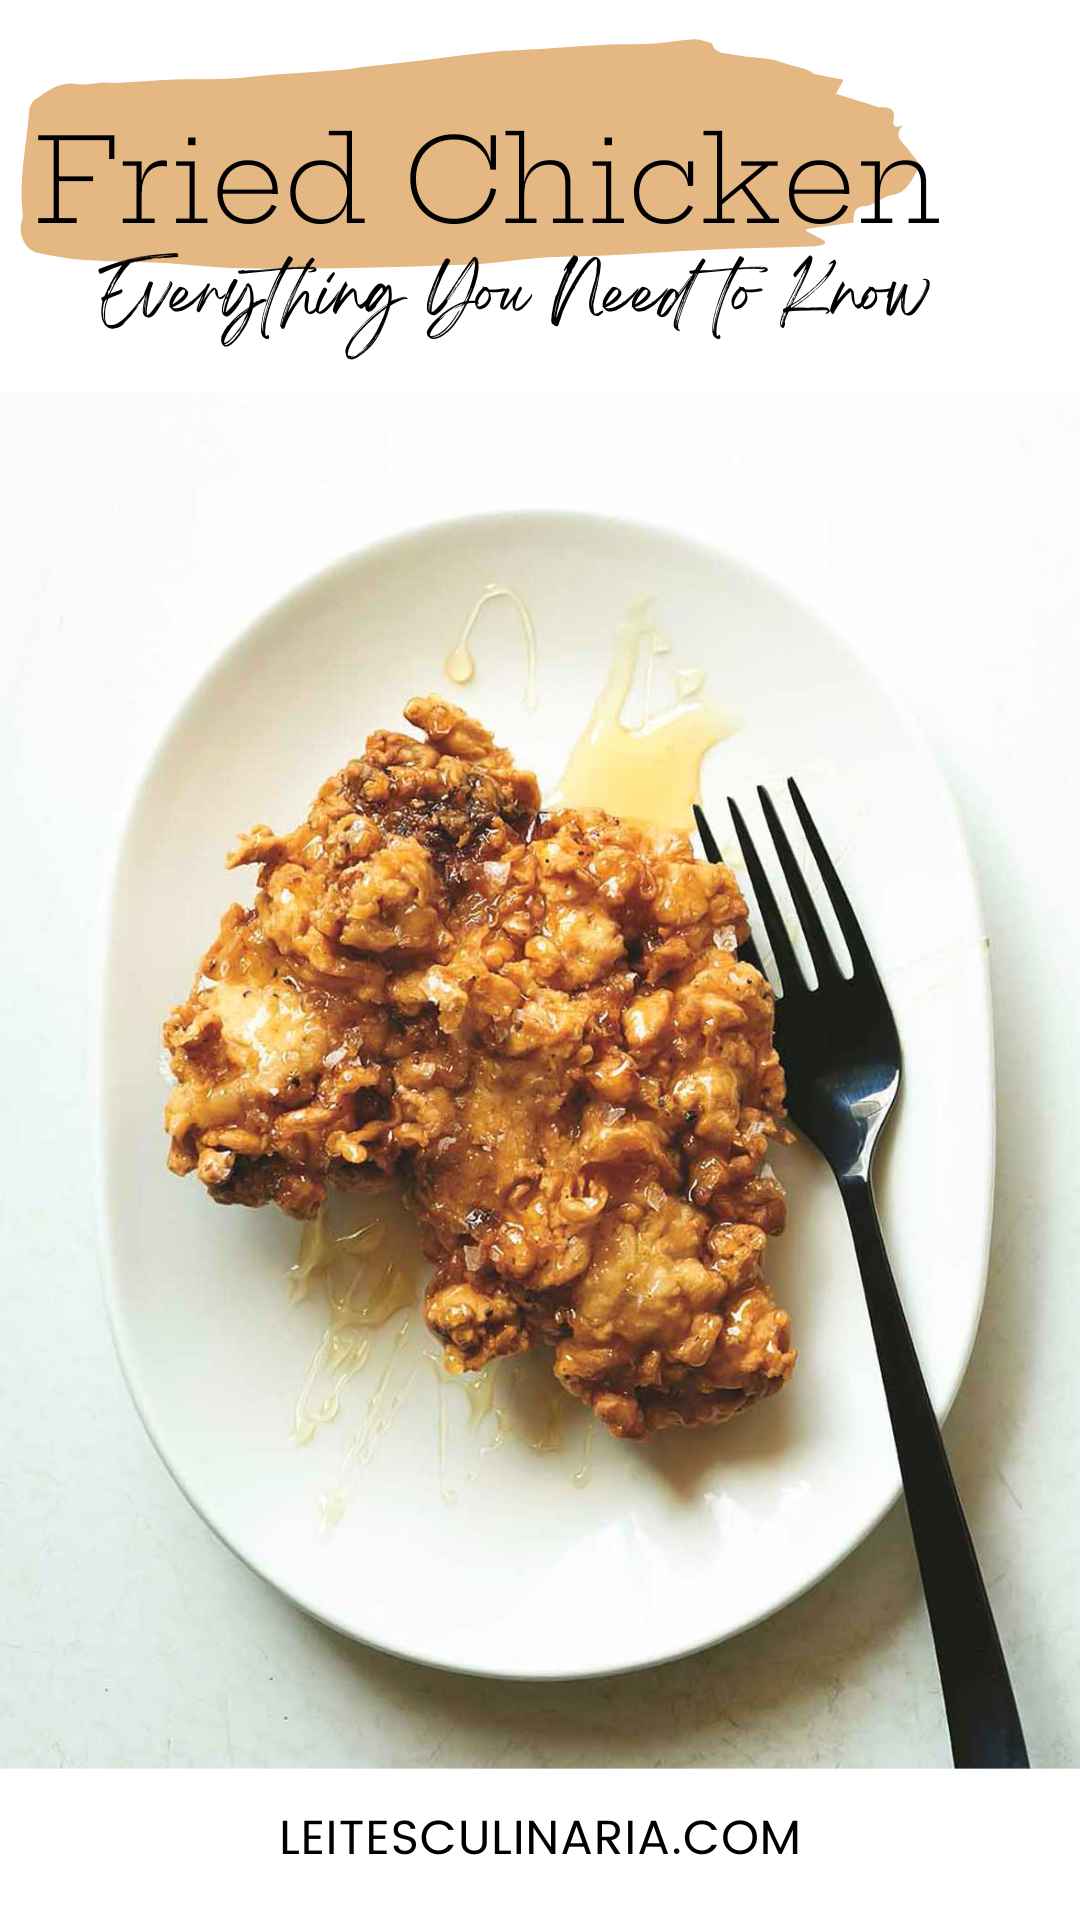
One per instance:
(540, 1023)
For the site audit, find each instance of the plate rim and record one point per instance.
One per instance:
(101, 949)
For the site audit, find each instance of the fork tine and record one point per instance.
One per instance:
(817, 940)
(708, 839)
(842, 907)
(791, 976)
(747, 948)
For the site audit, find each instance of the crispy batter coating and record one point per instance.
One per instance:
(540, 1023)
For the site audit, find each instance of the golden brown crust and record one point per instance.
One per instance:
(542, 1024)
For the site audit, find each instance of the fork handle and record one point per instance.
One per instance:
(984, 1725)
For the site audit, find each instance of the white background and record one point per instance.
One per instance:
(938, 537)
(935, 532)
(182, 1842)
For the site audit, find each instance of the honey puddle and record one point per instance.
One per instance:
(651, 769)
(460, 666)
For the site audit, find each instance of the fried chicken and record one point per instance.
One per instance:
(541, 1024)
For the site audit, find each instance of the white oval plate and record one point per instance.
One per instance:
(516, 1561)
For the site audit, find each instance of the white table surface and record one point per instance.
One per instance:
(939, 538)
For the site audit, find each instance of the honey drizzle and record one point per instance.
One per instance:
(379, 1415)
(363, 1289)
(583, 1472)
(533, 1413)
(460, 667)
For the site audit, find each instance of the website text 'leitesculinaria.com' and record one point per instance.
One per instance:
(510, 1838)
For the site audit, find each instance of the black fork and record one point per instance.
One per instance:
(841, 1055)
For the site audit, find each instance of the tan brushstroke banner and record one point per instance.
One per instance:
(659, 148)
